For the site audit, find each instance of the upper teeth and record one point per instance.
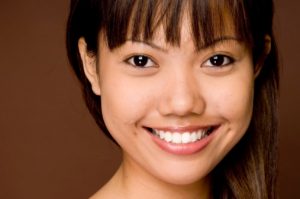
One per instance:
(178, 138)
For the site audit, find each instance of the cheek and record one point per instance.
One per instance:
(238, 107)
(124, 100)
(234, 101)
(123, 105)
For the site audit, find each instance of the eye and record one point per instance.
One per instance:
(219, 61)
(141, 61)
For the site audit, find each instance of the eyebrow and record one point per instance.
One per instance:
(149, 43)
(211, 44)
(218, 40)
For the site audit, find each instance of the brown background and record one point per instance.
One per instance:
(49, 145)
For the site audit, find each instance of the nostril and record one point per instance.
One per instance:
(183, 105)
(181, 95)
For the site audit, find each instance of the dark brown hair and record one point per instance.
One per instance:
(249, 170)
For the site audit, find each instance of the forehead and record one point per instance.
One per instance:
(158, 40)
(174, 22)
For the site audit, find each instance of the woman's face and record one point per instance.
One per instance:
(175, 111)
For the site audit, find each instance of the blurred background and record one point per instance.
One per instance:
(50, 146)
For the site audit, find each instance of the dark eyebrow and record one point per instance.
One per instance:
(149, 43)
(216, 41)
(211, 44)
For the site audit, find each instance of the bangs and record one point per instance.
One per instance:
(210, 20)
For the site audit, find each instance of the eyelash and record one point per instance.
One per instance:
(141, 61)
(218, 60)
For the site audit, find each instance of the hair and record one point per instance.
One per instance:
(250, 169)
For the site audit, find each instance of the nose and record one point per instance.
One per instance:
(181, 95)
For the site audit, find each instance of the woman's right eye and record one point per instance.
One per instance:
(141, 61)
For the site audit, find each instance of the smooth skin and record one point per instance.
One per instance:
(157, 85)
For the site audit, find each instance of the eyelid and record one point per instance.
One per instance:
(230, 60)
(127, 60)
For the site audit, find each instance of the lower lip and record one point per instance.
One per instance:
(183, 149)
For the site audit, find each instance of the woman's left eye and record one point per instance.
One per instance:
(219, 61)
(140, 61)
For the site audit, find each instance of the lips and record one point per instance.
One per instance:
(182, 141)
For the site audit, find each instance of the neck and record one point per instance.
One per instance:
(131, 181)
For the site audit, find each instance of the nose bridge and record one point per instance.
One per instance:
(182, 94)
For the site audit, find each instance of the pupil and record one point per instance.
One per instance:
(217, 60)
(140, 60)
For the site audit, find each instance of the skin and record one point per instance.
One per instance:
(179, 88)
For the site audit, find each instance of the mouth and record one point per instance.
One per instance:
(182, 136)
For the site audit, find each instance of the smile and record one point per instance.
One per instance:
(184, 137)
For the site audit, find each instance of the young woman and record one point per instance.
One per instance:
(186, 88)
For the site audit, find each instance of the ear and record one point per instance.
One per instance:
(261, 60)
(89, 63)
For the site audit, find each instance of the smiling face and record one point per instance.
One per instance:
(174, 110)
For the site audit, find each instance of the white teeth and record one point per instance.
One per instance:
(194, 137)
(199, 133)
(178, 138)
(185, 137)
(168, 137)
(161, 135)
